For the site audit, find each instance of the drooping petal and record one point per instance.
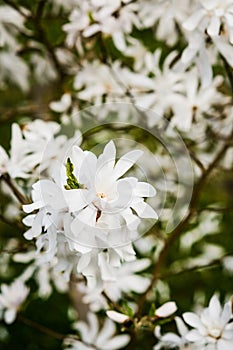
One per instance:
(117, 316)
(166, 309)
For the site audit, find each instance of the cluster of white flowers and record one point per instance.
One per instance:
(89, 208)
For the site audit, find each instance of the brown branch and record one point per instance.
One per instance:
(41, 328)
(51, 332)
(211, 264)
(21, 198)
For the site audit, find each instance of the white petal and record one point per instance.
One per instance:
(144, 189)
(144, 210)
(126, 162)
(166, 309)
(192, 319)
(117, 342)
(91, 30)
(226, 313)
(192, 22)
(117, 316)
(214, 308)
(10, 316)
(214, 26)
(182, 329)
(106, 332)
(105, 268)
(193, 336)
(77, 199)
(135, 283)
(225, 344)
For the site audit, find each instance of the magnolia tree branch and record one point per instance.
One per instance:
(180, 229)
(211, 264)
(51, 332)
(21, 198)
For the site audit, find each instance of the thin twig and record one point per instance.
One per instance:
(7, 179)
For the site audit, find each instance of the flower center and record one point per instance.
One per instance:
(101, 195)
(215, 333)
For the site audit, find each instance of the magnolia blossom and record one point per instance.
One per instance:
(35, 148)
(212, 328)
(166, 14)
(111, 18)
(11, 298)
(92, 337)
(11, 22)
(13, 69)
(211, 19)
(172, 340)
(96, 211)
(210, 15)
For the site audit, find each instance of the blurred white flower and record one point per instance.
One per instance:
(111, 18)
(166, 15)
(125, 278)
(212, 329)
(11, 22)
(13, 69)
(62, 105)
(11, 298)
(92, 337)
(35, 148)
(214, 16)
(172, 340)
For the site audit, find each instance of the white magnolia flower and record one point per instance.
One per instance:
(166, 14)
(210, 16)
(111, 18)
(63, 105)
(197, 101)
(211, 19)
(173, 340)
(96, 80)
(11, 22)
(13, 69)
(35, 148)
(212, 329)
(11, 298)
(43, 68)
(19, 163)
(99, 214)
(92, 337)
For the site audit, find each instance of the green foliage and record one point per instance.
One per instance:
(72, 182)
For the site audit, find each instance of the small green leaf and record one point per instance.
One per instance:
(72, 182)
(126, 309)
(152, 310)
